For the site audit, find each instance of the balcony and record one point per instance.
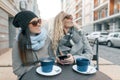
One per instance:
(98, 7)
(96, 18)
(96, 4)
(101, 14)
(117, 10)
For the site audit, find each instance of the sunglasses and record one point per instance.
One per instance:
(34, 23)
(68, 17)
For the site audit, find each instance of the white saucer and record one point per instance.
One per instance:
(56, 70)
(91, 70)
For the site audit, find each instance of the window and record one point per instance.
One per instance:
(104, 33)
(116, 35)
(119, 35)
(106, 12)
(111, 35)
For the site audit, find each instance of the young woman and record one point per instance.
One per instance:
(68, 40)
(31, 44)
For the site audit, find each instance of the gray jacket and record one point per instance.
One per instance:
(18, 68)
(78, 45)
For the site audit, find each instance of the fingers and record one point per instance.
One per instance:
(69, 60)
(60, 61)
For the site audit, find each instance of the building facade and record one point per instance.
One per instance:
(95, 15)
(107, 15)
(8, 9)
(87, 20)
(74, 7)
(82, 11)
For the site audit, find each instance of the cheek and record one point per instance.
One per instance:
(65, 22)
(30, 28)
(35, 30)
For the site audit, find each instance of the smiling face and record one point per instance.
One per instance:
(68, 21)
(34, 25)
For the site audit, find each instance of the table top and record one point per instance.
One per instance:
(67, 74)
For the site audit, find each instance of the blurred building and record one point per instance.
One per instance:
(74, 7)
(87, 20)
(81, 11)
(94, 15)
(8, 9)
(107, 15)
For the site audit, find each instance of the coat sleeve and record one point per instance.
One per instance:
(18, 68)
(86, 50)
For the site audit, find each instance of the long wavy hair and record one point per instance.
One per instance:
(58, 29)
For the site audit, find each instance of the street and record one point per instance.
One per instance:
(110, 53)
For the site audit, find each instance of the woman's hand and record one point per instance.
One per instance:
(69, 60)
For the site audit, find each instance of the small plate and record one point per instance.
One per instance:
(56, 70)
(91, 70)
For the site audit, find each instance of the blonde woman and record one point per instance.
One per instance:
(67, 40)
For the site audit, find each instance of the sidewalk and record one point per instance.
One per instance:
(6, 68)
(109, 69)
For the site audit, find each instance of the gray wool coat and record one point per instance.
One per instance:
(81, 47)
(18, 68)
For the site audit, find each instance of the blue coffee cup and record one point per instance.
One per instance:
(47, 64)
(82, 64)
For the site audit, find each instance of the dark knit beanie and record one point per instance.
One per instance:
(23, 18)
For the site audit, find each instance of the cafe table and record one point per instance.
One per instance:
(67, 73)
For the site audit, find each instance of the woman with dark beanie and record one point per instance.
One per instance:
(32, 43)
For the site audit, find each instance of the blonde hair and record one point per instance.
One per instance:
(58, 29)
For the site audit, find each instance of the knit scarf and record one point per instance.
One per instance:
(68, 41)
(38, 41)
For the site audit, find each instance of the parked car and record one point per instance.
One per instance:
(113, 39)
(100, 36)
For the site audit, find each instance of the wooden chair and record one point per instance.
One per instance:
(95, 46)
